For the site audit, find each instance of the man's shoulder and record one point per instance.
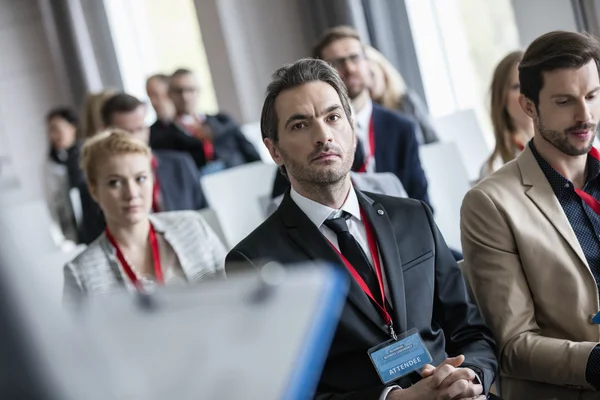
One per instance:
(262, 236)
(505, 179)
(504, 188)
(173, 157)
(170, 155)
(222, 120)
(394, 204)
(392, 117)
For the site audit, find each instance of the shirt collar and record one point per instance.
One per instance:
(363, 117)
(318, 212)
(556, 180)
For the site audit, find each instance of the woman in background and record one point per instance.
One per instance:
(91, 120)
(137, 249)
(389, 89)
(62, 173)
(512, 127)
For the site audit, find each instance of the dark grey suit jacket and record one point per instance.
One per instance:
(427, 292)
(230, 145)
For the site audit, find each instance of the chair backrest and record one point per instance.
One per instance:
(212, 220)
(234, 195)
(49, 269)
(463, 129)
(252, 133)
(30, 221)
(448, 184)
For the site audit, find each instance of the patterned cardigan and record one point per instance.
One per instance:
(97, 270)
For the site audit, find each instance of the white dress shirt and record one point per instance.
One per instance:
(318, 213)
(362, 119)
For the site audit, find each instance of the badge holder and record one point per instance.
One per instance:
(394, 359)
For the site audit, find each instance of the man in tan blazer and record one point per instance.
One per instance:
(530, 240)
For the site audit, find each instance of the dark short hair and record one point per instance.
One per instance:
(334, 34)
(65, 113)
(552, 51)
(180, 72)
(159, 77)
(119, 103)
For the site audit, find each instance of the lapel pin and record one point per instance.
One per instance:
(380, 212)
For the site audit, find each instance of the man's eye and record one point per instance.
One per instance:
(299, 125)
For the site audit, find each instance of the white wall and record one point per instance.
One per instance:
(536, 17)
(245, 42)
(28, 88)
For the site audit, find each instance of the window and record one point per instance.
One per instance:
(458, 44)
(159, 36)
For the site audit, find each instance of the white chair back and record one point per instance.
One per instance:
(49, 269)
(252, 133)
(234, 195)
(209, 215)
(29, 221)
(448, 184)
(463, 129)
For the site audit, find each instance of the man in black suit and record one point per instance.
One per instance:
(215, 142)
(175, 172)
(389, 138)
(307, 126)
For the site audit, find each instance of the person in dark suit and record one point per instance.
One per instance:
(215, 142)
(307, 126)
(177, 179)
(390, 139)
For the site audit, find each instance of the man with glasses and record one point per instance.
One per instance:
(215, 142)
(389, 139)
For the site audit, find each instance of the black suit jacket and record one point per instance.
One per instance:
(230, 145)
(179, 188)
(397, 151)
(427, 292)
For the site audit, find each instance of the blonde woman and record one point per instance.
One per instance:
(137, 249)
(389, 89)
(512, 127)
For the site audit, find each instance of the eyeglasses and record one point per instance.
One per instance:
(354, 59)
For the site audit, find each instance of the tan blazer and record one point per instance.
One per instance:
(532, 282)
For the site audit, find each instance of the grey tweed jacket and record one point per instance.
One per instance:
(96, 270)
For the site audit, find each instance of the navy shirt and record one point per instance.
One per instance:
(586, 225)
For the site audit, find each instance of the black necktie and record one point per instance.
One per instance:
(354, 253)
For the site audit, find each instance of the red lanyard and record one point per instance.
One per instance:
(158, 275)
(363, 168)
(156, 187)
(375, 255)
(589, 200)
(196, 131)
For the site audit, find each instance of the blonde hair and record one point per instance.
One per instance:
(105, 144)
(502, 122)
(395, 87)
(91, 119)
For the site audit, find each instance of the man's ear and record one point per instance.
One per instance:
(275, 155)
(528, 107)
